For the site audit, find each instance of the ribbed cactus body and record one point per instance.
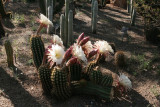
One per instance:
(94, 17)
(70, 28)
(3, 12)
(75, 72)
(50, 17)
(9, 52)
(45, 77)
(61, 88)
(62, 23)
(106, 80)
(66, 22)
(90, 88)
(37, 47)
(95, 76)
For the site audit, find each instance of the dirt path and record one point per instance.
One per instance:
(21, 87)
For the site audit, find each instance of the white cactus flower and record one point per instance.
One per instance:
(79, 53)
(44, 20)
(88, 46)
(57, 40)
(56, 53)
(103, 47)
(125, 81)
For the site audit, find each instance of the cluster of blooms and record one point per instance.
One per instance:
(82, 51)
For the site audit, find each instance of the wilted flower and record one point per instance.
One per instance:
(57, 40)
(125, 81)
(44, 22)
(56, 53)
(103, 47)
(79, 53)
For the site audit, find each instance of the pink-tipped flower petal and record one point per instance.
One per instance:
(84, 41)
(80, 38)
(71, 61)
(68, 53)
(92, 53)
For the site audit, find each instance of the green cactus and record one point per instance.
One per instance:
(37, 48)
(133, 17)
(66, 22)
(62, 21)
(94, 17)
(89, 88)
(42, 6)
(9, 52)
(45, 77)
(95, 76)
(3, 12)
(75, 72)
(61, 88)
(70, 28)
(50, 17)
(106, 80)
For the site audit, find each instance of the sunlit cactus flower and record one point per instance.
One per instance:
(55, 54)
(125, 81)
(79, 53)
(44, 22)
(57, 40)
(88, 47)
(103, 47)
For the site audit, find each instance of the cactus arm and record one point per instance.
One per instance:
(70, 28)
(62, 21)
(95, 12)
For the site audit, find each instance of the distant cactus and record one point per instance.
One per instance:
(50, 17)
(66, 22)
(133, 17)
(70, 28)
(62, 21)
(42, 6)
(120, 59)
(94, 17)
(9, 52)
(128, 6)
(37, 48)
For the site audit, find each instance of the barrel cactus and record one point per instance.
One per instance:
(95, 76)
(106, 81)
(37, 48)
(45, 77)
(61, 88)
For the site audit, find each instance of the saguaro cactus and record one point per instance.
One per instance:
(133, 17)
(66, 21)
(94, 17)
(62, 21)
(9, 52)
(50, 17)
(70, 28)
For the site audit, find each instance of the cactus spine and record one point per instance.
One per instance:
(62, 21)
(37, 48)
(66, 21)
(9, 52)
(94, 17)
(70, 28)
(75, 72)
(133, 17)
(60, 84)
(50, 17)
(45, 77)
(42, 6)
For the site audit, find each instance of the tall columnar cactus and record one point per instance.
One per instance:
(131, 6)
(94, 17)
(128, 5)
(70, 28)
(42, 6)
(66, 21)
(50, 17)
(92, 10)
(62, 22)
(37, 48)
(9, 52)
(133, 17)
(45, 77)
(3, 12)
(61, 88)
